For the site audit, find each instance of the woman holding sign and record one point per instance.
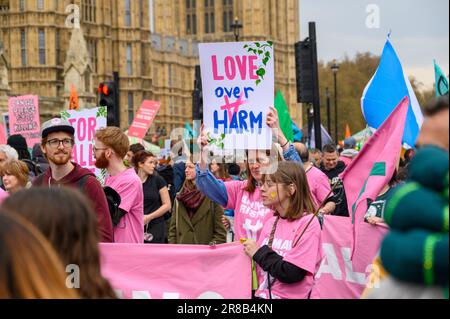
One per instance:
(288, 249)
(244, 197)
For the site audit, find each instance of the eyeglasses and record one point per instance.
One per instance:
(95, 149)
(67, 142)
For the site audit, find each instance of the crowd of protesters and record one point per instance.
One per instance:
(54, 213)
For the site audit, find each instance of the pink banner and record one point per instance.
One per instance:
(339, 276)
(177, 271)
(144, 119)
(24, 118)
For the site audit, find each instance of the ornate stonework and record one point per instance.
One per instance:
(78, 70)
(150, 48)
(4, 85)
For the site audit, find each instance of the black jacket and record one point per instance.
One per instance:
(339, 198)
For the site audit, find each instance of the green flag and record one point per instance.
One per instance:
(284, 116)
(441, 81)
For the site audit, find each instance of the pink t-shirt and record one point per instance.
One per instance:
(250, 214)
(319, 185)
(3, 195)
(305, 255)
(131, 227)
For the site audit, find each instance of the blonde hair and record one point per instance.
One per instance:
(16, 168)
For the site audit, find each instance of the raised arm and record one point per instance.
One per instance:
(206, 182)
(213, 188)
(289, 152)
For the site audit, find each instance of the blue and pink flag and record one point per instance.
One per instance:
(374, 166)
(388, 86)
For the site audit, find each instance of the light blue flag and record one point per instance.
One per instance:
(188, 133)
(441, 81)
(298, 134)
(384, 92)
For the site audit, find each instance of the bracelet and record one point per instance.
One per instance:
(285, 144)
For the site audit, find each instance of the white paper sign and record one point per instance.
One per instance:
(238, 89)
(86, 122)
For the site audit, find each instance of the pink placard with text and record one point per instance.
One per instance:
(144, 119)
(24, 118)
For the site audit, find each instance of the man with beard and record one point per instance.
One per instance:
(57, 145)
(110, 148)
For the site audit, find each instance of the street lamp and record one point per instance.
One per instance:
(236, 26)
(335, 69)
(327, 93)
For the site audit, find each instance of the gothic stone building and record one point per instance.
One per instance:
(50, 45)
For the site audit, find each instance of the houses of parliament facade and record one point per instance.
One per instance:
(46, 46)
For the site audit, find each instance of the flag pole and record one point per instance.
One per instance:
(316, 213)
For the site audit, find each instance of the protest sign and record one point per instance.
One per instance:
(86, 122)
(154, 272)
(24, 118)
(238, 89)
(144, 119)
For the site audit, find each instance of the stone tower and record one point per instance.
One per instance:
(4, 85)
(78, 70)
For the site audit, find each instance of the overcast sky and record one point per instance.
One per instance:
(420, 31)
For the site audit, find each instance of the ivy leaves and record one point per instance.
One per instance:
(102, 112)
(219, 142)
(65, 115)
(263, 51)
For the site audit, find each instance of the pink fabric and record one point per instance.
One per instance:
(177, 271)
(319, 185)
(384, 147)
(131, 227)
(305, 255)
(338, 276)
(250, 214)
(3, 195)
(349, 244)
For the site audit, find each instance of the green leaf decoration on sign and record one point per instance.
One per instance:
(263, 51)
(65, 115)
(219, 142)
(102, 112)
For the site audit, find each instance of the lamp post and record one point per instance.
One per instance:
(236, 26)
(335, 69)
(327, 93)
